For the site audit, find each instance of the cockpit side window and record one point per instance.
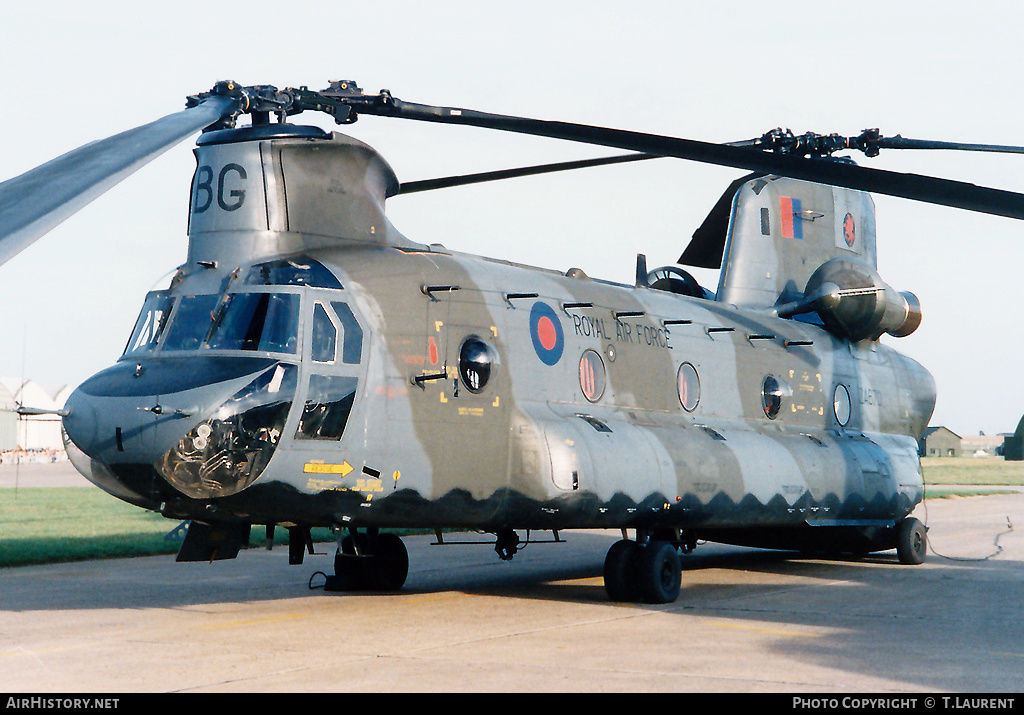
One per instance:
(150, 324)
(352, 343)
(325, 336)
(257, 321)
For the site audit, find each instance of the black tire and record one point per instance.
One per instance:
(349, 543)
(349, 573)
(388, 567)
(620, 571)
(659, 572)
(912, 542)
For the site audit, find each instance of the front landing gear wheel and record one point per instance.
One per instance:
(912, 542)
(369, 562)
(389, 565)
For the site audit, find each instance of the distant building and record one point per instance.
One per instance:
(940, 442)
(982, 444)
(35, 432)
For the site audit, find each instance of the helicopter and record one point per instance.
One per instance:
(310, 366)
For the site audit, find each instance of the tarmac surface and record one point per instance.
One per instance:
(747, 621)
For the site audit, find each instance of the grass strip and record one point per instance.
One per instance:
(972, 471)
(40, 525)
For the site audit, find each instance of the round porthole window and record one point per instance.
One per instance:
(592, 375)
(688, 386)
(477, 363)
(773, 393)
(841, 405)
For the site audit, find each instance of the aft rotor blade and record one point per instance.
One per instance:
(39, 199)
(945, 192)
(410, 187)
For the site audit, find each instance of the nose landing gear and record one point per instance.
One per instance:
(369, 562)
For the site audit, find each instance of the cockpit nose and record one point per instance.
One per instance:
(205, 426)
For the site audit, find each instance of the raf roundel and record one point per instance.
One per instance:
(849, 230)
(546, 333)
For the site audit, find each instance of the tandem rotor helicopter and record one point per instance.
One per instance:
(310, 366)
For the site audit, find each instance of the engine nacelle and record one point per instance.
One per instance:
(855, 303)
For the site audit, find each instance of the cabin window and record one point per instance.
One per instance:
(688, 386)
(477, 364)
(773, 393)
(150, 324)
(266, 322)
(841, 405)
(593, 378)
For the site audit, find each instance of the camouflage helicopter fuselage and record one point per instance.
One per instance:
(310, 365)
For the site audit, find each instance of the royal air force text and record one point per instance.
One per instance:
(634, 333)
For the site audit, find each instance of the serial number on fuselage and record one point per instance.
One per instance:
(870, 396)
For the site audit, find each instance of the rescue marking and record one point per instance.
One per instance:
(322, 485)
(368, 485)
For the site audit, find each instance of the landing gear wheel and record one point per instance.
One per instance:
(619, 571)
(659, 572)
(365, 562)
(912, 542)
(389, 564)
(348, 573)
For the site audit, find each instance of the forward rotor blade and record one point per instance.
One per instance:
(39, 199)
(898, 142)
(411, 187)
(945, 192)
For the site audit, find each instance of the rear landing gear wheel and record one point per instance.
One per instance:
(619, 570)
(659, 572)
(912, 542)
(651, 573)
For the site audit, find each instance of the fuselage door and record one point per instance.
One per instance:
(330, 377)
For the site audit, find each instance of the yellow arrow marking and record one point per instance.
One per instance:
(320, 468)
